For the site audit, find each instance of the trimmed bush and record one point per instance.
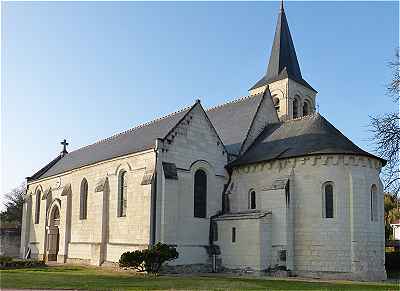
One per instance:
(148, 260)
(132, 260)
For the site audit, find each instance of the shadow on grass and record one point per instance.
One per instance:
(67, 277)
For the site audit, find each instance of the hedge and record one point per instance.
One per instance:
(11, 263)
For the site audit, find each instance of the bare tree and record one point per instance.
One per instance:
(394, 86)
(386, 134)
(14, 203)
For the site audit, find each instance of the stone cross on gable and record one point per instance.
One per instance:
(64, 144)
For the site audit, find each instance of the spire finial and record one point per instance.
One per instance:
(64, 144)
(282, 5)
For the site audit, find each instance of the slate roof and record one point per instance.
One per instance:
(231, 121)
(283, 61)
(133, 140)
(309, 135)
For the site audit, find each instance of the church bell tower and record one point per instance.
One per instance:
(293, 97)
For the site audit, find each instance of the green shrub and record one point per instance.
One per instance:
(132, 260)
(5, 259)
(392, 261)
(10, 263)
(149, 260)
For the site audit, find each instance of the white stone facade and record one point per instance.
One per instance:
(344, 245)
(268, 213)
(102, 236)
(286, 91)
(286, 228)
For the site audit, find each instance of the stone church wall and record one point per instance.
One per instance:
(194, 146)
(286, 90)
(102, 236)
(252, 245)
(350, 243)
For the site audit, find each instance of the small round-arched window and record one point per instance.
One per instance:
(200, 194)
(328, 200)
(295, 108)
(252, 199)
(374, 203)
(306, 108)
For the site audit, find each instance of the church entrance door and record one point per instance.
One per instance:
(53, 234)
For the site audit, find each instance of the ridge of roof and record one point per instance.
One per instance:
(240, 99)
(135, 128)
(107, 148)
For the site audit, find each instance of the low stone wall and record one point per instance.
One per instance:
(10, 241)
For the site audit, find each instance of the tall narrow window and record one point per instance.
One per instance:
(374, 203)
(306, 108)
(233, 234)
(328, 200)
(200, 194)
(214, 231)
(122, 194)
(83, 199)
(252, 199)
(287, 193)
(295, 108)
(37, 206)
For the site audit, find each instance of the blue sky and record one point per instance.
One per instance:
(86, 70)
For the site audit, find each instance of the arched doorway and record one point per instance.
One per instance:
(53, 234)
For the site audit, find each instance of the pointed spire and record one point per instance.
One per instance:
(283, 54)
(283, 61)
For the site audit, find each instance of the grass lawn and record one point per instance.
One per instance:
(78, 277)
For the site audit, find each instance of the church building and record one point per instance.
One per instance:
(262, 182)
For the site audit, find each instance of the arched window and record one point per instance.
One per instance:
(37, 206)
(287, 193)
(252, 199)
(214, 231)
(55, 217)
(374, 203)
(200, 194)
(83, 199)
(276, 103)
(295, 108)
(328, 200)
(122, 194)
(306, 108)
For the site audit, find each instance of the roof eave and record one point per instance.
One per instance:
(238, 163)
